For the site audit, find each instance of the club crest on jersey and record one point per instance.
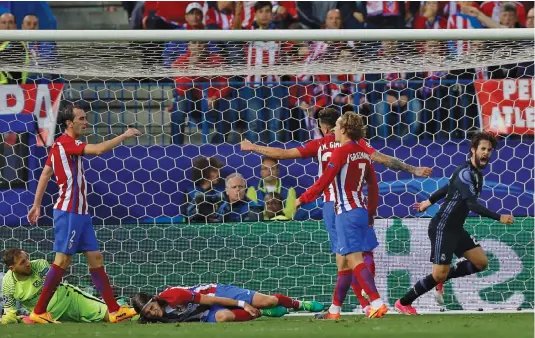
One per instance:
(43, 273)
(330, 165)
(77, 142)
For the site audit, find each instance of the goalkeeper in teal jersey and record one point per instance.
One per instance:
(23, 282)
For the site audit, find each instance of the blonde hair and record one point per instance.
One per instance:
(353, 125)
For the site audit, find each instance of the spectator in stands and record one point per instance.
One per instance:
(222, 16)
(175, 49)
(236, 207)
(493, 9)
(397, 101)
(30, 22)
(262, 99)
(526, 69)
(433, 93)
(200, 96)
(7, 21)
(508, 17)
(270, 182)
(430, 19)
(203, 201)
(274, 207)
(312, 14)
(385, 14)
(12, 52)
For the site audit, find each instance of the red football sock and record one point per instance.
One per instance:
(287, 302)
(52, 280)
(102, 283)
(358, 292)
(343, 281)
(241, 315)
(363, 275)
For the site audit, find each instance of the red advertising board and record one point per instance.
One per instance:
(506, 106)
(42, 100)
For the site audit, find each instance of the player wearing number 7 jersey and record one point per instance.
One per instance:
(322, 149)
(348, 168)
(446, 231)
(73, 227)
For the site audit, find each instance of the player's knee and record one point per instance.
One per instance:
(271, 301)
(440, 274)
(224, 316)
(62, 260)
(482, 263)
(94, 259)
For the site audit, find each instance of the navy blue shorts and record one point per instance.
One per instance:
(329, 218)
(228, 291)
(73, 233)
(354, 233)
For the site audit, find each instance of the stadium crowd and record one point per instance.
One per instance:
(284, 108)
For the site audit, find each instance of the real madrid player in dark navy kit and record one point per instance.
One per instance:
(446, 229)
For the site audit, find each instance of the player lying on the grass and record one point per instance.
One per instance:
(213, 303)
(322, 149)
(348, 168)
(73, 227)
(446, 228)
(23, 282)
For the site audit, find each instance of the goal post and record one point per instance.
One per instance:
(422, 92)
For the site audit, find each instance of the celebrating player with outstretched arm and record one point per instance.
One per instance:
(212, 303)
(322, 149)
(73, 227)
(349, 166)
(446, 231)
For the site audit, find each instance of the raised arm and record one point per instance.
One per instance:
(397, 164)
(435, 197)
(273, 152)
(106, 146)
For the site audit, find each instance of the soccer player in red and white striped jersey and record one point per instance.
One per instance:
(73, 227)
(322, 149)
(348, 168)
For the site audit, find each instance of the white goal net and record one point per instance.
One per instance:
(158, 201)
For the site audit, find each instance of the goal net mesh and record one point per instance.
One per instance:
(194, 102)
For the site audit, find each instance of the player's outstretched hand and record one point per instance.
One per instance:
(131, 132)
(422, 206)
(506, 219)
(423, 171)
(33, 214)
(246, 145)
(252, 310)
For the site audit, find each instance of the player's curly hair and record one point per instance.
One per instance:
(328, 116)
(353, 125)
(202, 166)
(483, 136)
(10, 255)
(140, 300)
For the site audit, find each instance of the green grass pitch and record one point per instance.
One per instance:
(426, 326)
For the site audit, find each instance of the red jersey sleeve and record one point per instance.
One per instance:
(74, 147)
(310, 149)
(368, 149)
(49, 158)
(333, 168)
(179, 296)
(373, 191)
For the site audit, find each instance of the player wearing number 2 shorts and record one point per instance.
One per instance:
(73, 227)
